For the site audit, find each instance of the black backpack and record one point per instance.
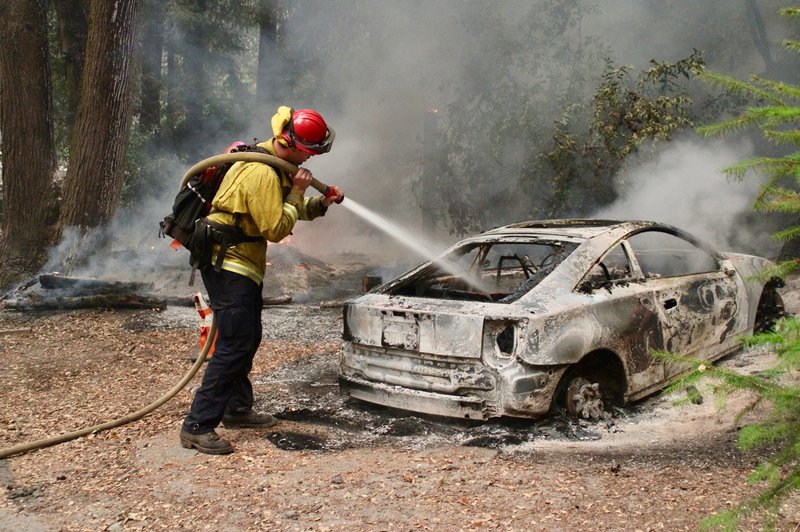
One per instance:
(188, 226)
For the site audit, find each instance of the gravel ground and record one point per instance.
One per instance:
(332, 463)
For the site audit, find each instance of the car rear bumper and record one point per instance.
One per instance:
(446, 386)
(402, 398)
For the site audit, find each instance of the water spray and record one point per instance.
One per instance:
(403, 236)
(413, 242)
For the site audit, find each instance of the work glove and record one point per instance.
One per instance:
(334, 195)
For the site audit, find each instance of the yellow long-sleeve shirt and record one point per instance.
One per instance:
(267, 206)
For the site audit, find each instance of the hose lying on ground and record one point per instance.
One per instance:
(202, 165)
(61, 438)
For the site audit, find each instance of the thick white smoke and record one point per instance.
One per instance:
(684, 185)
(379, 67)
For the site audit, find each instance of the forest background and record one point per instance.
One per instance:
(451, 117)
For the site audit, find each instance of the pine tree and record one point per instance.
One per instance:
(776, 114)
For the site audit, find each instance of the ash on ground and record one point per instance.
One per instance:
(307, 394)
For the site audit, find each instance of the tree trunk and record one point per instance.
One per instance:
(171, 111)
(27, 136)
(152, 51)
(72, 32)
(100, 137)
(760, 35)
(270, 56)
(192, 133)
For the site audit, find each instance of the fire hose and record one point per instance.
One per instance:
(254, 157)
(61, 438)
(134, 416)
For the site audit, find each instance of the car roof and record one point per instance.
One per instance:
(582, 228)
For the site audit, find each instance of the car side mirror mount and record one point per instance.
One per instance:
(727, 268)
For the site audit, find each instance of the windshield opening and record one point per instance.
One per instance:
(498, 272)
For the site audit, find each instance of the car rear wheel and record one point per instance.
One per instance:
(587, 388)
(584, 399)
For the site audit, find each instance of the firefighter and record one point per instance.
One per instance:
(267, 202)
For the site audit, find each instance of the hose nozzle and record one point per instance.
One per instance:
(327, 190)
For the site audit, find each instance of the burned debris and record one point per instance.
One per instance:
(62, 293)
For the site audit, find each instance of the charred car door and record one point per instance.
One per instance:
(626, 308)
(696, 296)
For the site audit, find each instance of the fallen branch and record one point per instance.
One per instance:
(277, 300)
(20, 288)
(333, 303)
(15, 331)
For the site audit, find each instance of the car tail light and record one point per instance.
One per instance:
(500, 340)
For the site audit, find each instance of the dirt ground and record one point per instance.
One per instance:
(333, 463)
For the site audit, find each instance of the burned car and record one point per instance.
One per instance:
(550, 315)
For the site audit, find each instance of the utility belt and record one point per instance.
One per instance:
(207, 233)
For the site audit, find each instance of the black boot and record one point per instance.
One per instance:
(209, 443)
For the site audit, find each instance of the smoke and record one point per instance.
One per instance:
(401, 59)
(639, 31)
(375, 69)
(129, 247)
(684, 186)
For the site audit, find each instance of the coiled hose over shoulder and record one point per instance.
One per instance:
(253, 157)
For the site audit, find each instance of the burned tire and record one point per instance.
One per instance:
(584, 399)
(770, 307)
(588, 388)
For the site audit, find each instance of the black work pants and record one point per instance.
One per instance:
(236, 302)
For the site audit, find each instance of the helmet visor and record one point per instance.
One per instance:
(318, 148)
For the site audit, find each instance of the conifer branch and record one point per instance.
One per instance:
(739, 87)
(779, 87)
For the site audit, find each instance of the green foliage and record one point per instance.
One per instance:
(737, 87)
(777, 116)
(778, 427)
(627, 114)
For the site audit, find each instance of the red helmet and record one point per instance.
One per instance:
(235, 146)
(308, 132)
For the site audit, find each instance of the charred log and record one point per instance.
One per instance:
(81, 286)
(120, 301)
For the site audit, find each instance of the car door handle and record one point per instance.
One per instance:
(670, 303)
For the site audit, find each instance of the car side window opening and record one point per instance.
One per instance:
(614, 266)
(662, 254)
